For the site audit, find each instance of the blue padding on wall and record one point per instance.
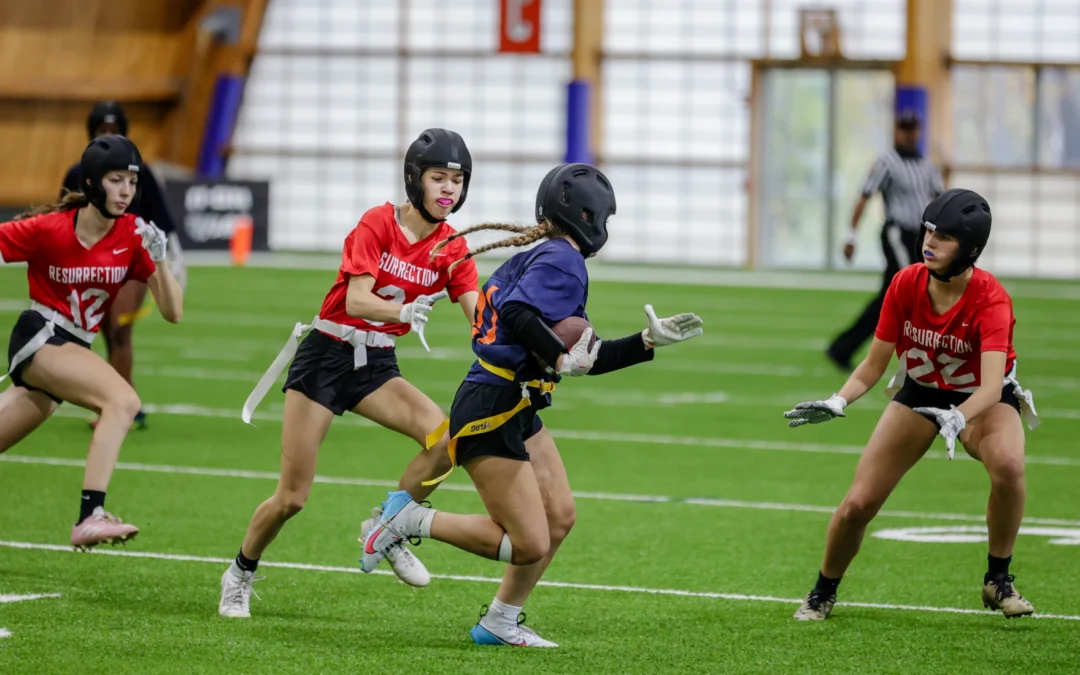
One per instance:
(578, 122)
(915, 100)
(220, 122)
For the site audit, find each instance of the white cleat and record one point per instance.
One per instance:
(488, 633)
(406, 566)
(236, 593)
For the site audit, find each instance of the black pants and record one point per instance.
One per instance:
(901, 249)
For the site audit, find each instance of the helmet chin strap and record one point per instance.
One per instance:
(950, 272)
(426, 215)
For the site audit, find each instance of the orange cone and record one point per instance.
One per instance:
(240, 244)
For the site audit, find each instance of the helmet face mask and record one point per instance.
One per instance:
(103, 155)
(579, 200)
(965, 216)
(435, 148)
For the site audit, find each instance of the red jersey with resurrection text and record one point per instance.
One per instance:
(79, 282)
(943, 351)
(402, 271)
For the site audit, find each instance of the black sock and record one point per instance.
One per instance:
(91, 499)
(245, 563)
(996, 567)
(826, 585)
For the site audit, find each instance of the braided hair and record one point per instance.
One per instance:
(526, 235)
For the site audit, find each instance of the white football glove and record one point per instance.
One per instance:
(175, 256)
(816, 412)
(580, 360)
(416, 313)
(663, 332)
(153, 239)
(950, 423)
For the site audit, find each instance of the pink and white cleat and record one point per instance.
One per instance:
(101, 527)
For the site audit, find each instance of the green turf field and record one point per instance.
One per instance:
(701, 516)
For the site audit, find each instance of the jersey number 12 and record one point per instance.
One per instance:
(89, 318)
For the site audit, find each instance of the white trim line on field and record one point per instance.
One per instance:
(184, 409)
(602, 270)
(551, 584)
(4, 599)
(455, 487)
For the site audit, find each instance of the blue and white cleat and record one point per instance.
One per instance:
(487, 633)
(406, 566)
(386, 534)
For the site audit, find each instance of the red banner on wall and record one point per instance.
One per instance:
(519, 26)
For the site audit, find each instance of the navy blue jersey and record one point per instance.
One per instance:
(551, 279)
(151, 205)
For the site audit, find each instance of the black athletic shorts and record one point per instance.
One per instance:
(28, 325)
(323, 371)
(475, 401)
(917, 396)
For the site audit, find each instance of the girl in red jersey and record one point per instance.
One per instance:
(79, 254)
(385, 287)
(108, 118)
(951, 324)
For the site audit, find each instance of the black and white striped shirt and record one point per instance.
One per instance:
(907, 185)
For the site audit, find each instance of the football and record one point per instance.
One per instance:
(569, 330)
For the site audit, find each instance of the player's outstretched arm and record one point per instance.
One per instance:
(168, 295)
(866, 375)
(641, 347)
(468, 305)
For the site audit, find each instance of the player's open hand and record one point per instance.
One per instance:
(153, 239)
(816, 412)
(949, 422)
(663, 332)
(416, 313)
(580, 360)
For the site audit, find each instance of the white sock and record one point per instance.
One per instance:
(235, 570)
(501, 614)
(418, 520)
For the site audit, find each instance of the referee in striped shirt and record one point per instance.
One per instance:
(908, 182)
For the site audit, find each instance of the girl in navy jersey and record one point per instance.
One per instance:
(951, 325)
(496, 432)
(386, 286)
(79, 254)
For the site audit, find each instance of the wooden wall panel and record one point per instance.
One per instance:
(99, 15)
(57, 57)
(47, 137)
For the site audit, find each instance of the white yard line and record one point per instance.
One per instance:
(455, 487)
(274, 417)
(551, 584)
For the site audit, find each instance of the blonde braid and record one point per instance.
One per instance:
(506, 227)
(527, 236)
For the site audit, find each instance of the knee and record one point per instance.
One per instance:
(119, 336)
(1008, 472)
(126, 403)
(438, 457)
(561, 520)
(529, 549)
(858, 509)
(290, 503)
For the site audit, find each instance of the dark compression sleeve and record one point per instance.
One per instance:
(530, 330)
(622, 353)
